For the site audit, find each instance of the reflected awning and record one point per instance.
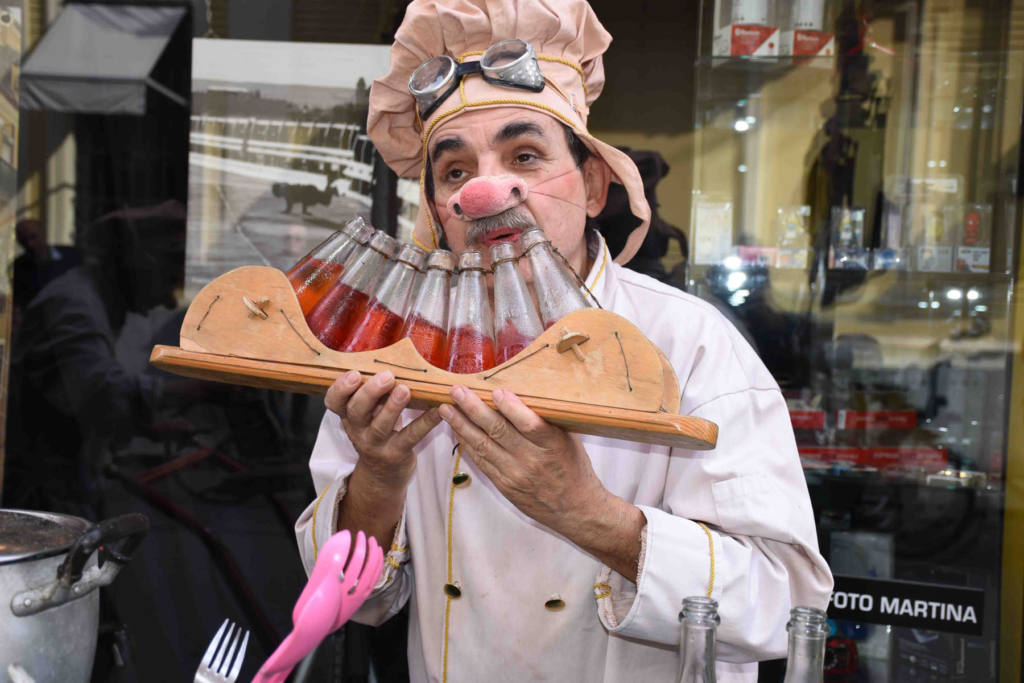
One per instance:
(99, 59)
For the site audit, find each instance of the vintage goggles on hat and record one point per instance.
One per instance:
(510, 63)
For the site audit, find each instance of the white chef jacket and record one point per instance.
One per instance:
(735, 521)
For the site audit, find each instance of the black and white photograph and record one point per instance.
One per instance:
(278, 153)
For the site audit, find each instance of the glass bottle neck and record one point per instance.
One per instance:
(557, 291)
(472, 304)
(431, 298)
(360, 275)
(806, 660)
(807, 632)
(697, 649)
(512, 302)
(394, 291)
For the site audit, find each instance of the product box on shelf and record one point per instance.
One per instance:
(934, 258)
(713, 228)
(743, 29)
(806, 43)
(847, 249)
(973, 225)
(757, 256)
(792, 238)
(802, 29)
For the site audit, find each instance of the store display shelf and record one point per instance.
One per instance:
(773, 64)
(729, 79)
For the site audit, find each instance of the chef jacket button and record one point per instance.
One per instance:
(555, 603)
(452, 590)
(461, 479)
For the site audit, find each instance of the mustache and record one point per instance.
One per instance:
(509, 218)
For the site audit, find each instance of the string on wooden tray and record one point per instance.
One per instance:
(625, 361)
(397, 365)
(208, 309)
(297, 333)
(518, 360)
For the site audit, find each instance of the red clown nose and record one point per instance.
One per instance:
(487, 196)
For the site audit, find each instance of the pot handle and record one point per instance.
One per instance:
(115, 539)
(128, 529)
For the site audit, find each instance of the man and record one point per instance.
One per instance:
(528, 553)
(40, 262)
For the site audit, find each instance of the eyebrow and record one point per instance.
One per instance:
(508, 132)
(446, 145)
(518, 129)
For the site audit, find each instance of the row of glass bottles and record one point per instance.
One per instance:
(359, 290)
(805, 662)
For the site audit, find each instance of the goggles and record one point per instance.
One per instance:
(510, 63)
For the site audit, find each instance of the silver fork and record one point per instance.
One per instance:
(220, 663)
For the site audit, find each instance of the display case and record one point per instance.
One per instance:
(856, 212)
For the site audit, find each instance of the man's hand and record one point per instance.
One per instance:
(546, 473)
(369, 414)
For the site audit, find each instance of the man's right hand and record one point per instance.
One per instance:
(369, 413)
(375, 495)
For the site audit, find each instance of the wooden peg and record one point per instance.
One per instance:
(256, 309)
(571, 340)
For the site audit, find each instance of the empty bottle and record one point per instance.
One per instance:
(321, 267)
(470, 335)
(554, 284)
(381, 322)
(698, 621)
(516, 322)
(332, 317)
(427, 322)
(807, 630)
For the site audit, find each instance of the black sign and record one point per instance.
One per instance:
(906, 603)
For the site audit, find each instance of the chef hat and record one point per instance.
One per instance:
(568, 40)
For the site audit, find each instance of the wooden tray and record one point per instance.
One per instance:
(246, 328)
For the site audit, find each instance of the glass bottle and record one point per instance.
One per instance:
(470, 335)
(427, 322)
(381, 322)
(553, 283)
(331, 318)
(516, 322)
(807, 632)
(324, 264)
(698, 621)
(393, 247)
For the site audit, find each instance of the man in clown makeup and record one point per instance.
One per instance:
(526, 552)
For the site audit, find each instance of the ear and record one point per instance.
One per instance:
(596, 176)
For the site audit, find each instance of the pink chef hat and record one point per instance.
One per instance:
(569, 41)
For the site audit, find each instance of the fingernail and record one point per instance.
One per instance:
(352, 378)
(458, 393)
(401, 393)
(446, 412)
(385, 378)
(499, 395)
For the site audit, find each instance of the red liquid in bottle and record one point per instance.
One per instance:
(430, 340)
(378, 327)
(510, 342)
(469, 351)
(310, 278)
(332, 317)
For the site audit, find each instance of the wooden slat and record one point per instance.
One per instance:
(680, 431)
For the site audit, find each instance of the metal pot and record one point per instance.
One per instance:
(49, 606)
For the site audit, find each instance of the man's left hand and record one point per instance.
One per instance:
(545, 472)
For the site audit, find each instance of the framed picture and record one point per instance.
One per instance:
(278, 153)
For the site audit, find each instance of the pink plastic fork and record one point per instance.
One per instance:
(333, 593)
